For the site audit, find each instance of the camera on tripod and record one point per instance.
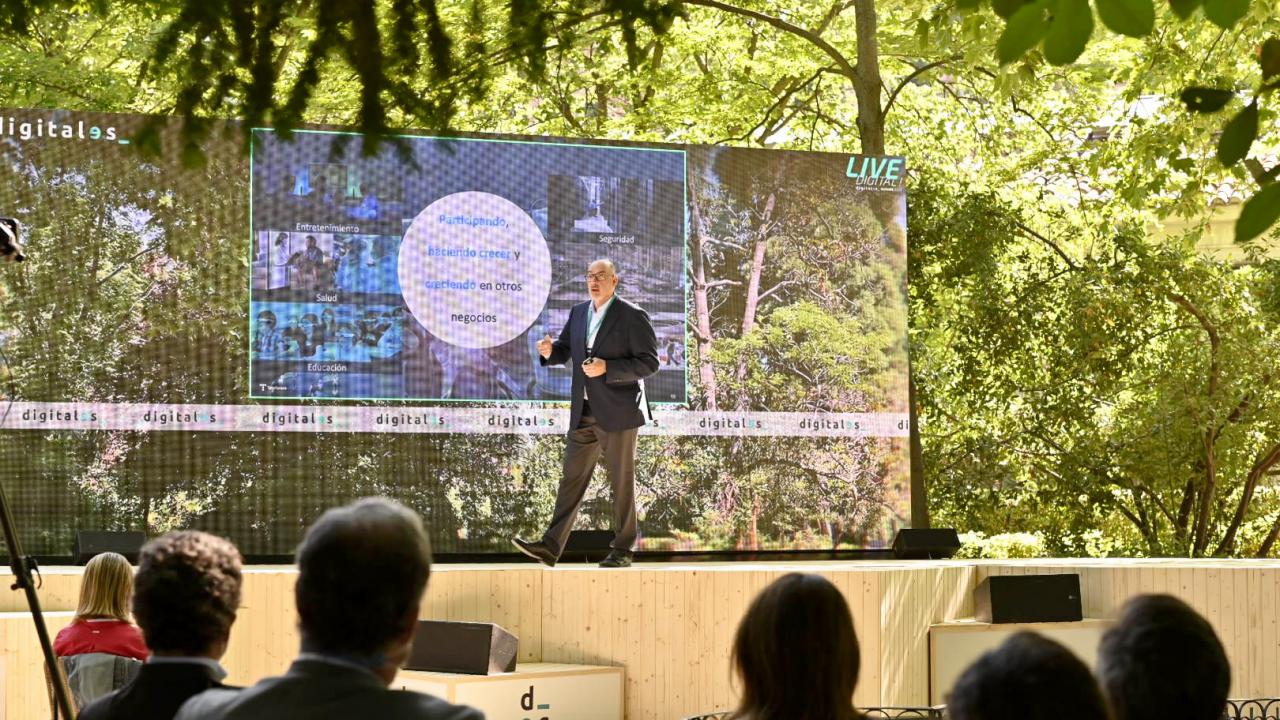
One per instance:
(10, 240)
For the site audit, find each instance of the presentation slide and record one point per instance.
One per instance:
(238, 343)
(431, 270)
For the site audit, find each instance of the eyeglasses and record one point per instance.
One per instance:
(598, 276)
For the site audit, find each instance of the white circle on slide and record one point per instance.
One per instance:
(475, 269)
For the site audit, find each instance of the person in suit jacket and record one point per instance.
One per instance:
(612, 348)
(185, 598)
(362, 572)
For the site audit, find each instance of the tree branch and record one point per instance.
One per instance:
(833, 12)
(121, 267)
(1260, 466)
(893, 95)
(777, 287)
(1052, 245)
(846, 68)
(1210, 329)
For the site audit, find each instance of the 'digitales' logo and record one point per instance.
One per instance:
(527, 704)
(875, 172)
(49, 128)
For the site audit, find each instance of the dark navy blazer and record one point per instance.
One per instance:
(629, 347)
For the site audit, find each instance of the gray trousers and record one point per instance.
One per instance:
(582, 451)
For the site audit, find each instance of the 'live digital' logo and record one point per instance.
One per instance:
(875, 172)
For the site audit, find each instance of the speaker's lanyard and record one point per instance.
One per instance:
(594, 320)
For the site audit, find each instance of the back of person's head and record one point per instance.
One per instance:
(1163, 660)
(187, 593)
(1028, 677)
(105, 588)
(796, 652)
(362, 570)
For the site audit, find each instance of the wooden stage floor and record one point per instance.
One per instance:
(671, 625)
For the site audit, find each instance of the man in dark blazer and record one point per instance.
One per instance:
(612, 348)
(185, 598)
(362, 572)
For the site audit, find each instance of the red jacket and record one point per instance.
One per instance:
(114, 637)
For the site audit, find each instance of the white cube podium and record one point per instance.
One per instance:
(535, 691)
(954, 646)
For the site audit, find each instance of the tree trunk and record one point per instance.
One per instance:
(752, 304)
(919, 497)
(1201, 531)
(701, 307)
(866, 83)
(1260, 466)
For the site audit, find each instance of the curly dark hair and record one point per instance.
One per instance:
(186, 592)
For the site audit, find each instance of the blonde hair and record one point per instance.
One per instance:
(105, 588)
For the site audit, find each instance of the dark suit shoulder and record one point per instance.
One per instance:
(208, 704)
(427, 707)
(100, 709)
(628, 305)
(155, 693)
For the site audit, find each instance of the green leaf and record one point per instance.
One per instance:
(1022, 32)
(1135, 18)
(1238, 135)
(1205, 99)
(1259, 213)
(1184, 8)
(1006, 8)
(1225, 13)
(967, 4)
(1069, 31)
(1269, 58)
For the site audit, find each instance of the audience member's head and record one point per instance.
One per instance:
(1029, 677)
(105, 588)
(796, 653)
(362, 570)
(187, 593)
(1163, 660)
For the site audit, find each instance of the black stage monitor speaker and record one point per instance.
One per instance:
(463, 647)
(589, 542)
(95, 542)
(1028, 598)
(925, 543)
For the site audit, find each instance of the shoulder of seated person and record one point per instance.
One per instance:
(436, 708)
(98, 709)
(196, 707)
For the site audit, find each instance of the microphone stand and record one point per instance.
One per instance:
(22, 579)
(24, 565)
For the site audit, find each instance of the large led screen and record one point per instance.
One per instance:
(237, 338)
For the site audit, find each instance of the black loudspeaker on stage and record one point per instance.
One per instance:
(95, 542)
(463, 647)
(588, 545)
(925, 543)
(1028, 598)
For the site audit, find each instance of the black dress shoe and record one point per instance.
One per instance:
(536, 550)
(617, 559)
